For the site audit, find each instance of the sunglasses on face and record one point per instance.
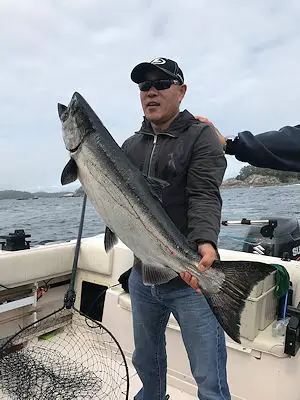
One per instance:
(160, 84)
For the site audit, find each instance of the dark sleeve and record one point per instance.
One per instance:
(275, 149)
(205, 175)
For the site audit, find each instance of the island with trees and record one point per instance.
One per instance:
(250, 176)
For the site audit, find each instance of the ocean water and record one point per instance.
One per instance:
(58, 219)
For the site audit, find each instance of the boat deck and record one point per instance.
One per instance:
(135, 386)
(58, 349)
(67, 354)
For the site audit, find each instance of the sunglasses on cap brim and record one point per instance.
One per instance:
(160, 84)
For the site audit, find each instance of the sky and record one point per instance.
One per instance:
(240, 60)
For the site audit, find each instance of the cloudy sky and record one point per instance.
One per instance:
(240, 60)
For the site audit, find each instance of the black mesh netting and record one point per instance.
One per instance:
(80, 359)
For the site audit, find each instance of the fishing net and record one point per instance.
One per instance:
(65, 355)
(78, 359)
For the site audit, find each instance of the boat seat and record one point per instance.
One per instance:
(92, 256)
(264, 341)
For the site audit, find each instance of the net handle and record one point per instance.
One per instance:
(70, 296)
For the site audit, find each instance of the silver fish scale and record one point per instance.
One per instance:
(123, 212)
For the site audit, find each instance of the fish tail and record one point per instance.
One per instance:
(229, 302)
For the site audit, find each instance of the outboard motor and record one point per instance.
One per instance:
(279, 238)
(15, 241)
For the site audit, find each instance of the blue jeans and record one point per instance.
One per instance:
(202, 335)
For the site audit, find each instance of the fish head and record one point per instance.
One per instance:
(76, 122)
(82, 129)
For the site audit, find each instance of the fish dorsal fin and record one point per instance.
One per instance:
(69, 173)
(157, 274)
(110, 239)
(61, 109)
(156, 186)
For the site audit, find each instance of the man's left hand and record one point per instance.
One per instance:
(209, 255)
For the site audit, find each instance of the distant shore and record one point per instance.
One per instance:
(23, 195)
(251, 181)
(256, 181)
(226, 185)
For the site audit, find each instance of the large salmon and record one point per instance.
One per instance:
(130, 206)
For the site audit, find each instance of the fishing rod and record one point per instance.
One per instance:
(267, 225)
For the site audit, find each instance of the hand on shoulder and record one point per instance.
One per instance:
(207, 121)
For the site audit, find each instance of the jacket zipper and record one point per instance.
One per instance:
(151, 156)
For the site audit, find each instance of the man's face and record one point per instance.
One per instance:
(160, 106)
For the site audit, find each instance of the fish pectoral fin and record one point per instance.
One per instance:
(156, 186)
(69, 173)
(157, 274)
(110, 239)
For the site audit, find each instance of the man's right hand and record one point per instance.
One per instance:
(207, 121)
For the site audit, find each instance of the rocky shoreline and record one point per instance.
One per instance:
(255, 181)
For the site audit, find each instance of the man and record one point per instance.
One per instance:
(278, 150)
(175, 147)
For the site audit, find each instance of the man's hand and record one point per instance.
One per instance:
(207, 121)
(209, 255)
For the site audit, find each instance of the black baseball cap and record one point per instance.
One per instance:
(166, 65)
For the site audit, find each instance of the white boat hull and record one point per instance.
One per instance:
(258, 369)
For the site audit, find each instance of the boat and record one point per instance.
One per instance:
(67, 195)
(265, 366)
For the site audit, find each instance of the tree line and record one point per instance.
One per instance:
(282, 176)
